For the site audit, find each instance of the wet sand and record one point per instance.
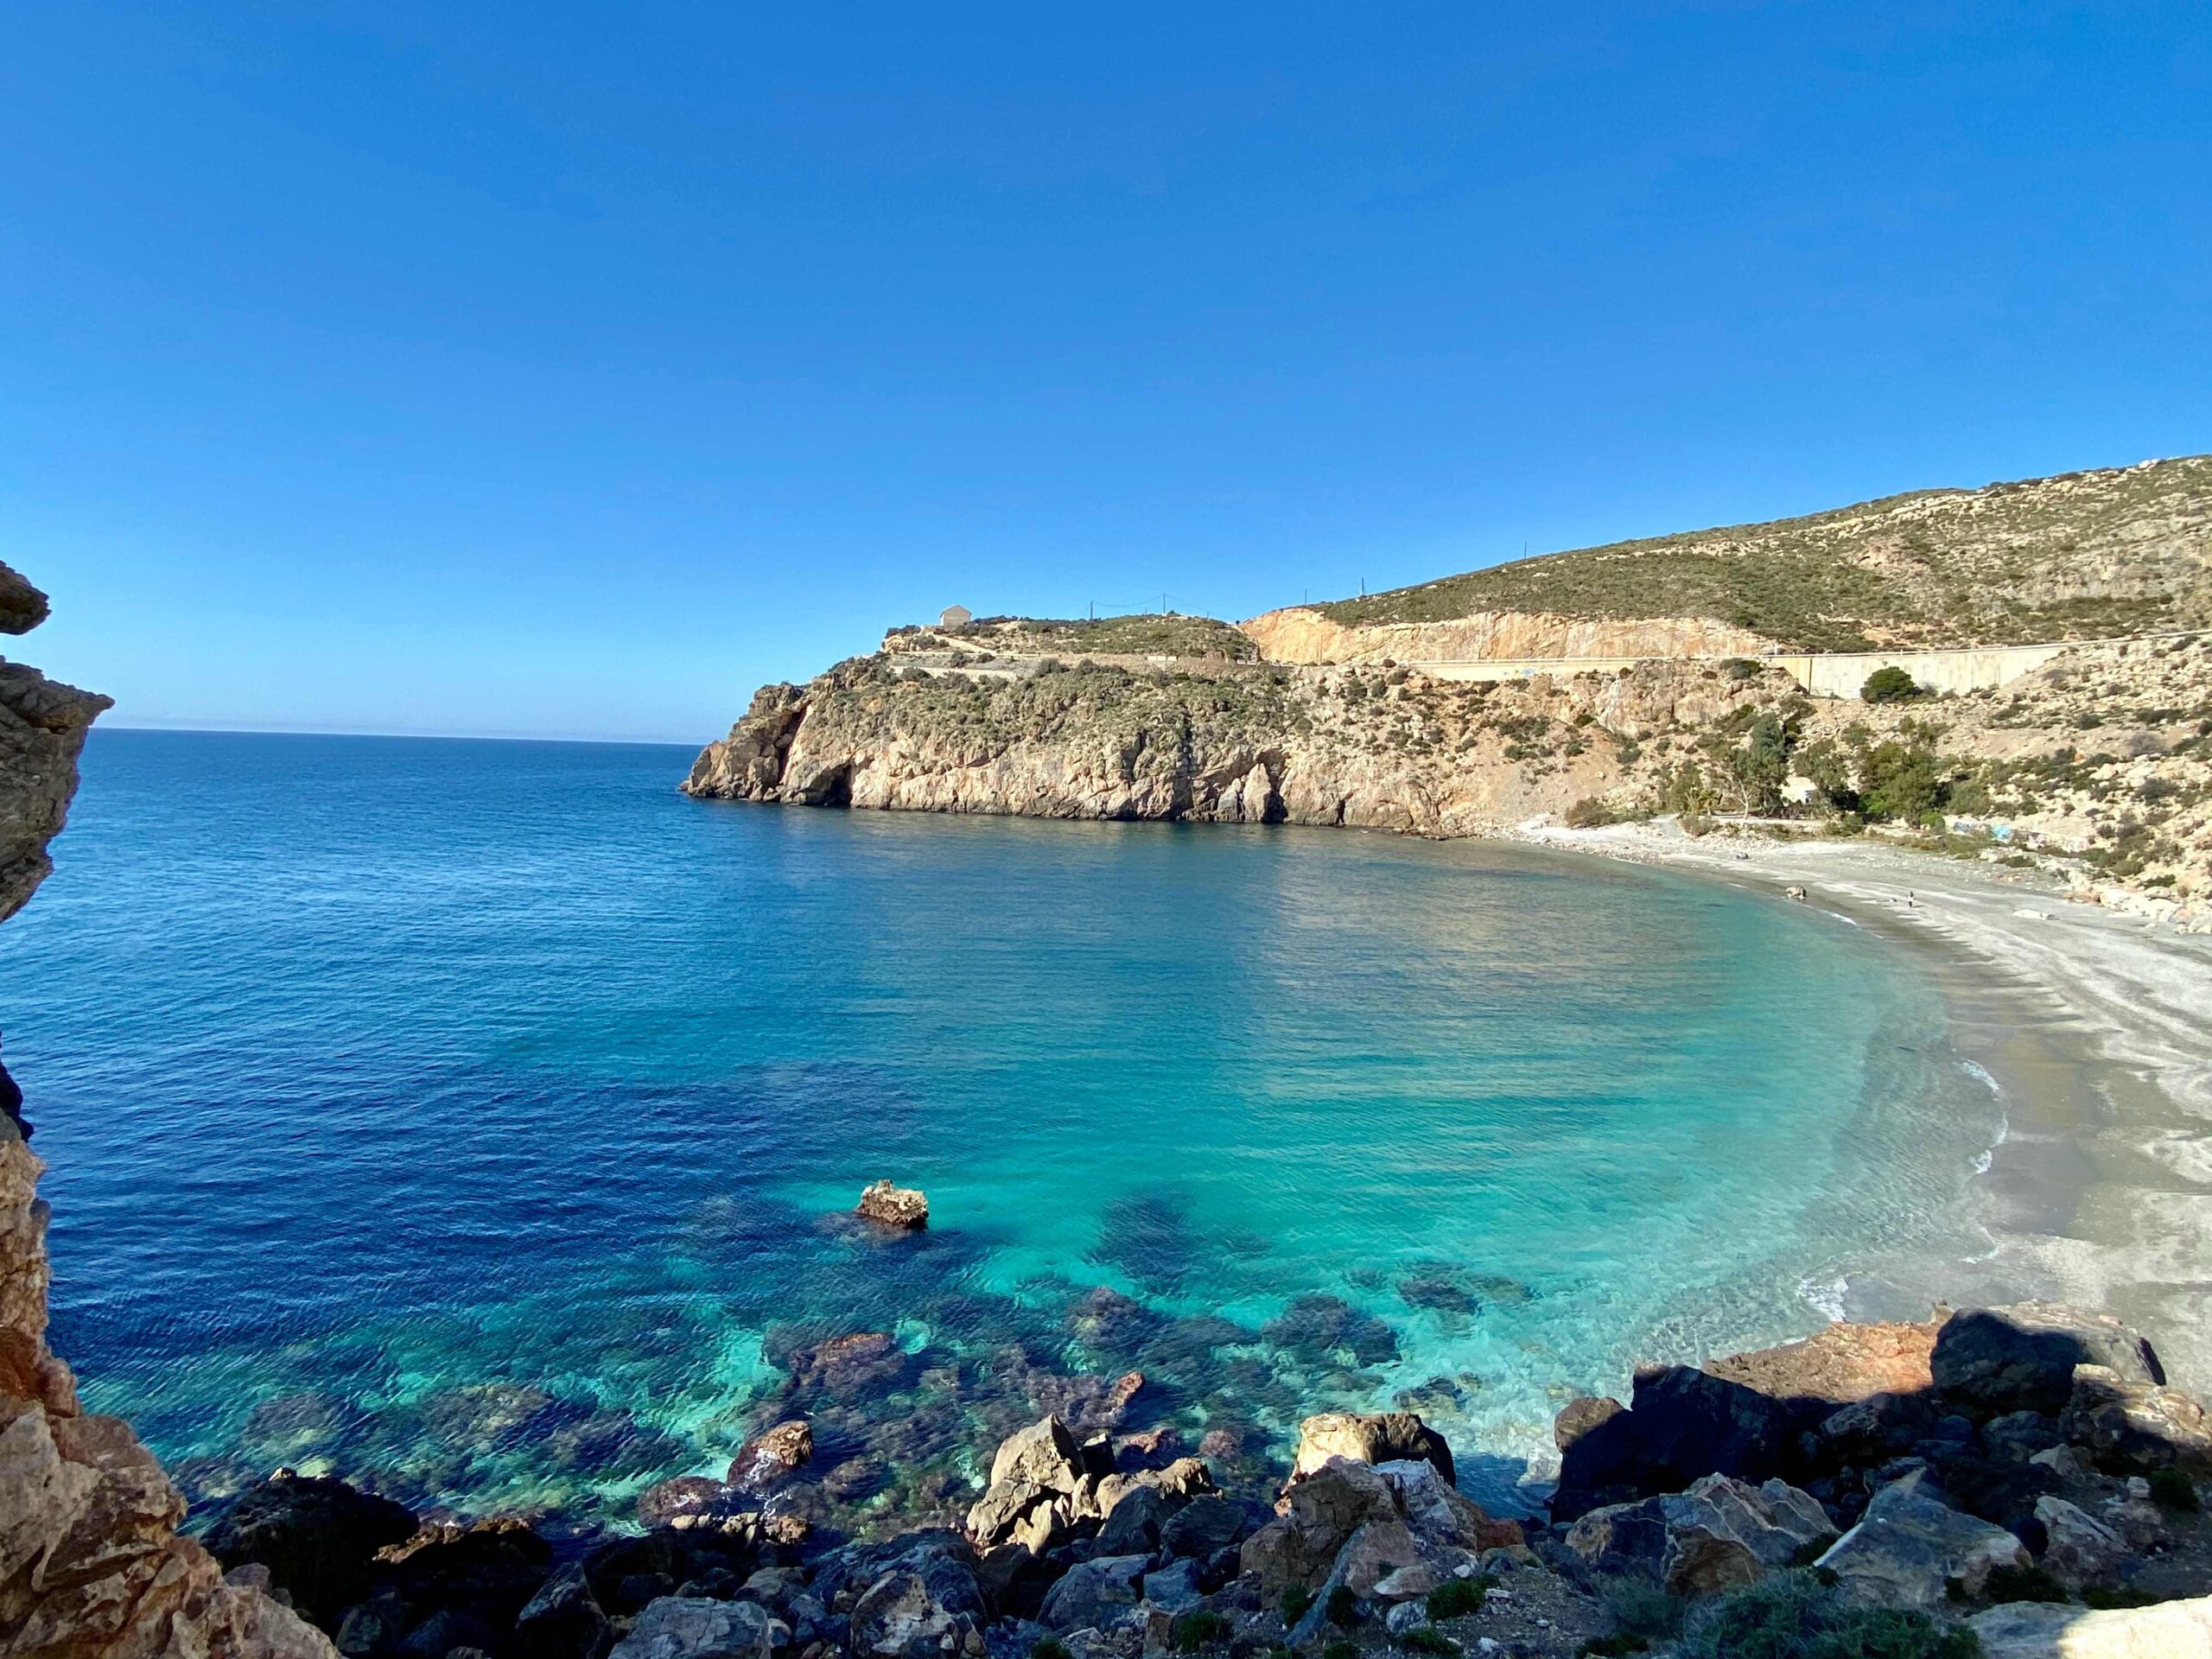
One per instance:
(2095, 1028)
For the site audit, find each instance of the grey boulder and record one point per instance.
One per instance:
(692, 1627)
(1910, 1547)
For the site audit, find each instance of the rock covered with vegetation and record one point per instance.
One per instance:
(2089, 555)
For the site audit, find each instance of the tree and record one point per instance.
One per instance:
(1890, 685)
(1762, 765)
(1903, 780)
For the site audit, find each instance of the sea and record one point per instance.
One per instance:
(480, 1122)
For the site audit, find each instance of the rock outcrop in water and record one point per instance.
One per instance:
(91, 1560)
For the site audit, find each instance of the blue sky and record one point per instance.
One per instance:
(564, 370)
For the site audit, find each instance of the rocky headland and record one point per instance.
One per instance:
(2095, 767)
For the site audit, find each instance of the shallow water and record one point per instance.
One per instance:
(463, 1116)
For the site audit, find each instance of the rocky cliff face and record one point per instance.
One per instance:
(90, 1563)
(1380, 749)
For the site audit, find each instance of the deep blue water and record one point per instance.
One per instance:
(462, 1115)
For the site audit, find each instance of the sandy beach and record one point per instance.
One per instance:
(2096, 1029)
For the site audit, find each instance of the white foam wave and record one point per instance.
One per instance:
(1824, 1296)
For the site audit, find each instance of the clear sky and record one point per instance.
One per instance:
(567, 370)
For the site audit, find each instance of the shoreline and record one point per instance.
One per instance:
(2087, 1024)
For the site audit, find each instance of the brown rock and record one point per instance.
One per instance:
(1840, 1364)
(772, 1455)
(895, 1206)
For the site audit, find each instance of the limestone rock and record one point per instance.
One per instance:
(1096, 1593)
(1044, 1454)
(1909, 1547)
(1720, 1535)
(693, 1627)
(2080, 1551)
(2129, 1424)
(2031, 1630)
(1319, 1513)
(1175, 1588)
(1205, 1527)
(2021, 1357)
(904, 1207)
(1368, 1436)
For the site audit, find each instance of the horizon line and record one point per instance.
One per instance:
(418, 736)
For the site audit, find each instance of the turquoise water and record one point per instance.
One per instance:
(463, 1116)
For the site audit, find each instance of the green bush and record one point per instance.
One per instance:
(1200, 1629)
(1795, 1616)
(2101, 1599)
(1613, 1647)
(2173, 1490)
(1343, 1610)
(1295, 1601)
(1341, 1649)
(1424, 1639)
(1890, 685)
(1456, 1599)
(1048, 1648)
(1592, 813)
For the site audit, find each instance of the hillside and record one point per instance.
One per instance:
(2081, 556)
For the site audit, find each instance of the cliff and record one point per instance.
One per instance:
(90, 1560)
(1381, 749)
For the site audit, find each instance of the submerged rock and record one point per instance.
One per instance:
(772, 1455)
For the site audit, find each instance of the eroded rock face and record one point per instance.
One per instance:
(90, 1563)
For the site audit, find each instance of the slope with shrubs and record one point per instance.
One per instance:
(2082, 555)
